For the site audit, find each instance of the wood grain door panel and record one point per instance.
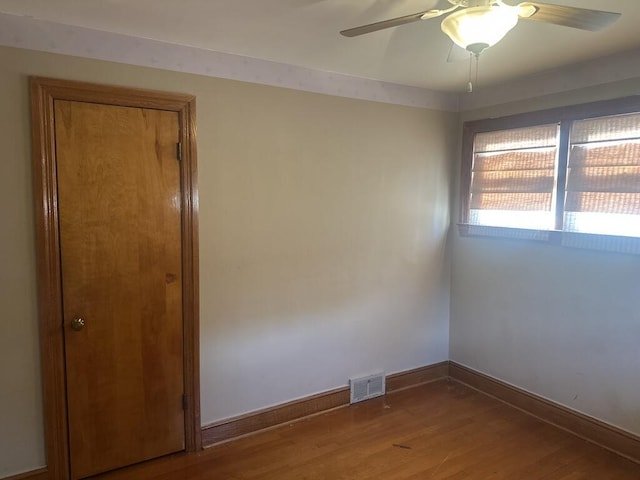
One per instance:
(120, 238)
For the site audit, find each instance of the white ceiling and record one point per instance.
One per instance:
(305, 33)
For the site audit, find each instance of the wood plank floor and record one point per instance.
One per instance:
(442, 430)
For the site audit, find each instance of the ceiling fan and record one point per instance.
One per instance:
(479, 24)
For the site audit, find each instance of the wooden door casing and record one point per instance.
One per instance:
(46, 93)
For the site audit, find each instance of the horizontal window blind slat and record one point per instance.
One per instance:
(603, 202)
(606, 128)
(619, 154)
(527, 181)
(607, 142)
(517, 138)
(604, 179)
(512, 201)
(518, 160)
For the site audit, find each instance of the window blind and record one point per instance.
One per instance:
(603, 180)
(513, 177)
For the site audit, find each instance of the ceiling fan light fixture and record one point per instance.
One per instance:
(477, 28)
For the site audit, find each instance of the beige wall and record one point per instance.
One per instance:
(322, 244)
(560, 322)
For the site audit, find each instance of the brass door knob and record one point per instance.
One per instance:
(77, 324)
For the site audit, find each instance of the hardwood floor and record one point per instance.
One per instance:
(442, 430)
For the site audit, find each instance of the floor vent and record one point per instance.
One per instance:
(364, 388)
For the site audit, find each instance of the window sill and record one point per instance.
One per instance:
(591, 241)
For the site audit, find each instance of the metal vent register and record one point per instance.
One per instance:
(364, 388)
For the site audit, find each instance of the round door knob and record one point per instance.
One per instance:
(77, 324)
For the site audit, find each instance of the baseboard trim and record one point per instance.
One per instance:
(417, 376)
(298, 409)
(270, 417)
(588, 428)
(39, 474)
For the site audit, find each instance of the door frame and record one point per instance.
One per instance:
(44, 91)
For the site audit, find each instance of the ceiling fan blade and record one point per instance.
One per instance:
(393, 22)
(581, 18)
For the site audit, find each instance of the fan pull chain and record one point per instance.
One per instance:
(471, 82)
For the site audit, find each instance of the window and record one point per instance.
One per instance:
(603, 176)
(512, 177)
(568, 175)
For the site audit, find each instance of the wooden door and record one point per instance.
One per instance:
(119, 201)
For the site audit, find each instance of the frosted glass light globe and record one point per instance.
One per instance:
(477, 28)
